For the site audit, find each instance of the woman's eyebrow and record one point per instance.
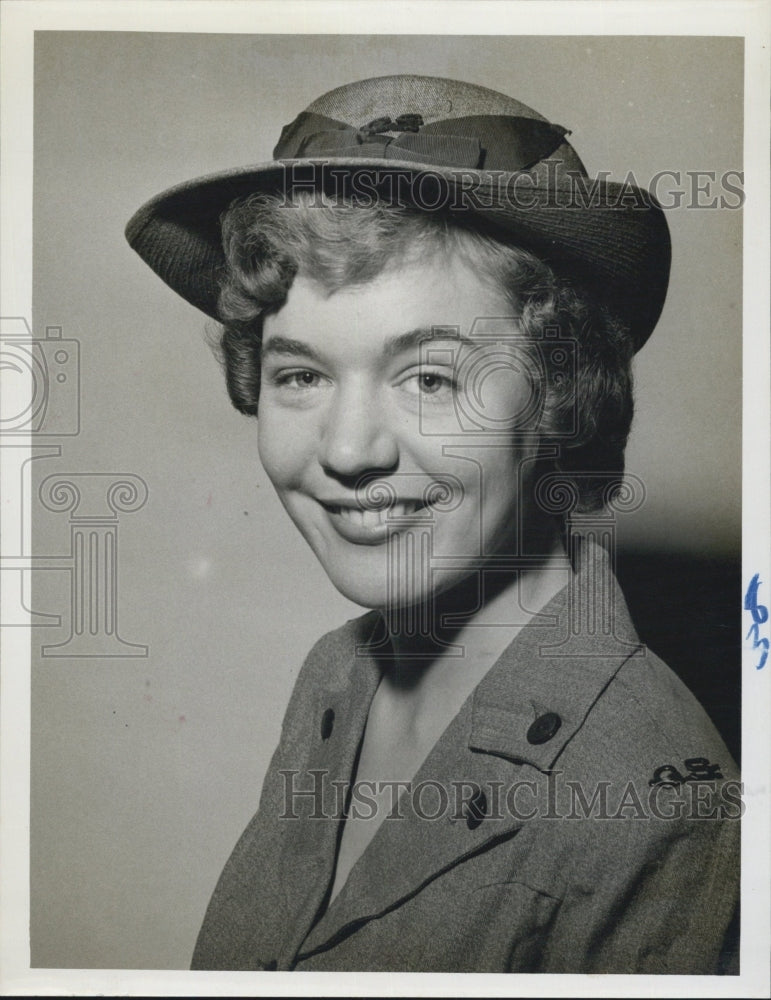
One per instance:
(392, 347)
(290, 346)
(413, 338)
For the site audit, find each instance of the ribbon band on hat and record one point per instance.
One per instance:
(471, 141)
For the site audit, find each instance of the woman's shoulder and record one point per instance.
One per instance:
(332, 659)
(333, 652)
(654, 724)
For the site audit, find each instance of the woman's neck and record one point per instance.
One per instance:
(465, 629)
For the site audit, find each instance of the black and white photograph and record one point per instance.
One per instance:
(385, 549)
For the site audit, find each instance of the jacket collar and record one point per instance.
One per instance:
(559, 664)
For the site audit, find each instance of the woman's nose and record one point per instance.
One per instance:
(357, 437)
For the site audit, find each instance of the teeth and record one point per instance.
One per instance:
(405, 508)
(373, 518)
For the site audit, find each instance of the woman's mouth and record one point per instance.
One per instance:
(372, 525)
(373, 516)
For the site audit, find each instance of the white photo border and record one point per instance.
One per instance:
(20, 19)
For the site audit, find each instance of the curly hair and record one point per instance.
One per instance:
(587, 410)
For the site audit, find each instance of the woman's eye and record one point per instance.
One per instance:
(432, 383)
(299, 380)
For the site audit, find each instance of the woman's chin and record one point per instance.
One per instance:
(373, 591)
(367, 593)
(379, 594)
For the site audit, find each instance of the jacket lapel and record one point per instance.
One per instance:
(558, 665)
(317, 796)
(411, 850)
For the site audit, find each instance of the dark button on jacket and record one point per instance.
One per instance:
(327, 723)
(475, 809)
(544, 727)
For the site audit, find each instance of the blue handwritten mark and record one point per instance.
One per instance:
(759, 614)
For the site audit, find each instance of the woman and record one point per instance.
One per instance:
(432, 312)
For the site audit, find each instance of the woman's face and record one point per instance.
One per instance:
(410, 390)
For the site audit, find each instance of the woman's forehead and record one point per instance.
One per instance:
(395, 312)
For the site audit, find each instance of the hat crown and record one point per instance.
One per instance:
(433, 98)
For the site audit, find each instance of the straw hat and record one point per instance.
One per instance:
(435, 144)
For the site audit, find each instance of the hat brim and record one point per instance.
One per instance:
(609, 238)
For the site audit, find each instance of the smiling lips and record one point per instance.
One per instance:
(366, 524)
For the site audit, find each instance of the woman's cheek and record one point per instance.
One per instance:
(272, 446)
(285, 447)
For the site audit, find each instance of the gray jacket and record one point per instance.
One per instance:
(579, 814)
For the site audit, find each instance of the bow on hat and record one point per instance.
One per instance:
(497, 142)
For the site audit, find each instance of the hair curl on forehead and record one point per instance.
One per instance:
(268, 241)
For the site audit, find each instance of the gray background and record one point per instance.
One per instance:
(145, 771)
